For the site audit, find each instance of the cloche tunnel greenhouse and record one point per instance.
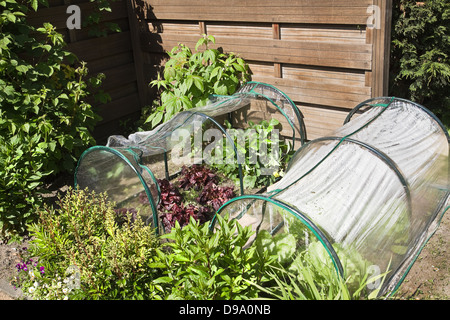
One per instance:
(129, 169)
(364, 200)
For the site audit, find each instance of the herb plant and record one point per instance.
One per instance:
(201, 264)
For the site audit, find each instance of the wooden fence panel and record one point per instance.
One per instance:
(321, 53)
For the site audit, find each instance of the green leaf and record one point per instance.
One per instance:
(181, 258)
(34, 4)
(157, 119)
(26, 127)
(11, 17)
(238, 67)
(163, 280)
(198, 82)
(220, 88)
(200, 42)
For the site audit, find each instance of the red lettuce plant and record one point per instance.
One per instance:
(211, 197)
(196, 177)
(215, 196)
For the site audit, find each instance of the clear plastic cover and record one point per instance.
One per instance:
(376, 187)
(368, 196)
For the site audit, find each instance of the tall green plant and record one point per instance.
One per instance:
(191, 77)
(420, 53)
(45, 117)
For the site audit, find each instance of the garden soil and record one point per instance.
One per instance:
(428, 279)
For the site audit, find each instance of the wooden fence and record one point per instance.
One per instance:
(111, 55)
(321, 53)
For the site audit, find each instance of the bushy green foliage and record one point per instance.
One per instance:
(205, 265)
(264, 154)
(45, 116)
(111, 251)
(116, 256)
(420, 54)
(190, 78)
(82, 248)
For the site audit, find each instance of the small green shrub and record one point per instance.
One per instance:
(45, 117)
(420, 54)
(190, 78)
(110, 252)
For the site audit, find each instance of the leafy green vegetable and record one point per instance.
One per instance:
(282, 246)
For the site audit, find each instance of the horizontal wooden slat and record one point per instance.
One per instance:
(261, 69)
(114, 110)
(324, 75)
(331, 54)
(57, 16)
(321, 121)
(325, 33)
(258, 3)
(97, 48)
(253, 30)
(306, 11)
(126, 89)
(108, 62)
(319, 93)
(174, 27)
(119, 76)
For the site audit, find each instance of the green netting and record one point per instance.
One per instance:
(129, 169)
(371, 193)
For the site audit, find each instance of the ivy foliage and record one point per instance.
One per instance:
(420, 54)
(45, 117)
